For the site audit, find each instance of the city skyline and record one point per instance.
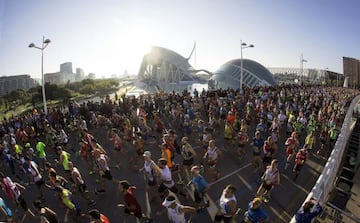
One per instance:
(109, 37)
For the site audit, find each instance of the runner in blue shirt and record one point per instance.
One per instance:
(201, 186)
(254, 213)
(5, 210)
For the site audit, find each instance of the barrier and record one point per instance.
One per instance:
(326, 181)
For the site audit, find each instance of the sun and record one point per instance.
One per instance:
(131, 42)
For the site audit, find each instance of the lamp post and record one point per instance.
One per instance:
(302, 60)
(44, 44)
(242, 46)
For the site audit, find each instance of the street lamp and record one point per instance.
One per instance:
(242, 46)
(302, 60)
(45, 42)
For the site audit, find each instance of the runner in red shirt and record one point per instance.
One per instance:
(291, 144)
(132, 206)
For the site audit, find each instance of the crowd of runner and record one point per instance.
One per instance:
(42, 153)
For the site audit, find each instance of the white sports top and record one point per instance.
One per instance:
(166, 177)
(76, 171)
(14, 189)
(148, 170)
(175, 216)
(225, 209)
(270, 175)
(212, 154)
(103, 165)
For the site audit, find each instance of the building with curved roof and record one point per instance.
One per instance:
(167, 70)
(229, 75)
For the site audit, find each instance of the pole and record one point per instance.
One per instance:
(301, 68)
(42, 76)
(241, 65)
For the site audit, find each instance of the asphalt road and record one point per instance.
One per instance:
(285, 200)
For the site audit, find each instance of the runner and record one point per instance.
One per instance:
(187, 155)
(270, 178)
(150, 176)
(80, 184)
(300, 159)
(131, 206)
(40, 148)
(176, 211)
(243, 139)
(115, 138)
(167, 183)
(212, 155)
(269, 150)
(46, 214)
(5, 211)
(68, 200)
(201, 187)
(14, 191)
(310, 140)
(103, 168)
(227, 205)
(97, 217)
(36, 176)
(54, 178)
(257, 145)
(291, 144)
(255, 213)
(64, 159)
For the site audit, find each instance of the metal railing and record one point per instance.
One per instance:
(326, 181)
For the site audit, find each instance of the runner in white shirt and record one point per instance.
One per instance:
(167, 183)
(14, 191)
(227, 205)
(176, 212)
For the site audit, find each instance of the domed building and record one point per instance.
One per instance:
(168, 71)
(229, 75)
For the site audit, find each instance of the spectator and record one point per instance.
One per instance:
(306, 215)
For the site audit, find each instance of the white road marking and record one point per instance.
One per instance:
(230, 174)
(245, 182)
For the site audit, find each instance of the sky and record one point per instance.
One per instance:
(108, 37)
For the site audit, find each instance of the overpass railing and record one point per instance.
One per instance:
(326, 181)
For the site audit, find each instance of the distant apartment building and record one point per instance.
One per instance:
(65, 75)
(66, 68)
(12, 83)
(79, 76)
(351, 68)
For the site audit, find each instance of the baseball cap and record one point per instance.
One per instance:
(147, 154)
